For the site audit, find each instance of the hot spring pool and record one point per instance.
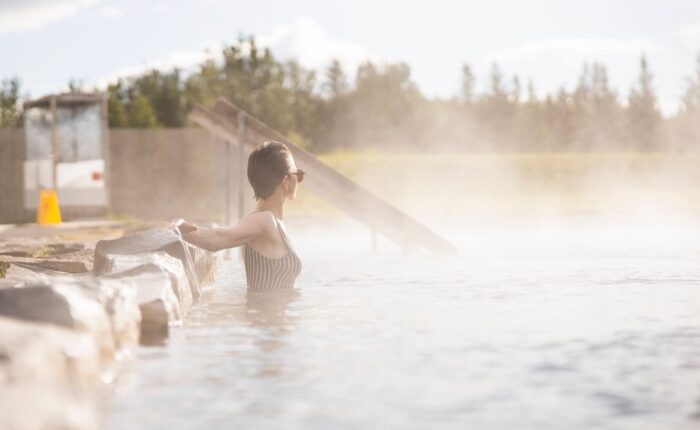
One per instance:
(563, 326)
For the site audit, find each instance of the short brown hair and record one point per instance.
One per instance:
(268, 164)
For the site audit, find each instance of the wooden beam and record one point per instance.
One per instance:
(327, 183)
(54, 143)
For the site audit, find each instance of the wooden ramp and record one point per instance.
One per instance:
(232, 124)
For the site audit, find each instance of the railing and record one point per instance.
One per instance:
(235, 126)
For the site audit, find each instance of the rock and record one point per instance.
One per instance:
(66, 248)
(38, 407)
(45, 354)
(120, 300)
(156, 298)
(69, 266)
(18, 248)
(17, 253)
(117, 298)
(85, 256)
(180, 283)
(29, 273)
(64, 302)
(154, 240)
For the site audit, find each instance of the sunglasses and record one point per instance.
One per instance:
(299, 174)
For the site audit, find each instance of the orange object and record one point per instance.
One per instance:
(48, 213)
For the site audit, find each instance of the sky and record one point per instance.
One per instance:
(47, 43)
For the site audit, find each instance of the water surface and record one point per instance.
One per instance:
(550, 326)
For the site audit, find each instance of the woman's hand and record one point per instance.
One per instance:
(183, 226)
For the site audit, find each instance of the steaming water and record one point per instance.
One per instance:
(568, 326)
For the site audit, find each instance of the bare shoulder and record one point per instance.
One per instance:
(262, 220)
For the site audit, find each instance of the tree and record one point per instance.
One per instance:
(116, 109)
(691, 97)
(597, 113)
(164, 94)
(468, 84)
(686, 130)
(515, 90)
(336, 81)
(9, 103)
(140, 113)
(496, 111)
(643, 117)
(531, 92)
(383, 109)
(76, 86)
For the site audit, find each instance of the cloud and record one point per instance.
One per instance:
(303, 40)
(554, 63)
(183, 60)
(28, 15)
(309, 43)
(111, 12)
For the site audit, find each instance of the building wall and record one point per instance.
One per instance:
(11, 176)
(170, 173)
(152, 174)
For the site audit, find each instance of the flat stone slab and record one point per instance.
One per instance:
(63, 302)
(182, 288)
(67, 266)
(48, 355)
(157, 301)
(28, 273)
(165, 240)
(65, 247)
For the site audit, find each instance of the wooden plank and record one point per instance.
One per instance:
(327, 183)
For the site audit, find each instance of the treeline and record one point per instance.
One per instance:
(383, 107)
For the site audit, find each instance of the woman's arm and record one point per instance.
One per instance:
(218, 238)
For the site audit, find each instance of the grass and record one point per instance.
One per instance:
(518, 183)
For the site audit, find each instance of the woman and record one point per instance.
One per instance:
(269, 258)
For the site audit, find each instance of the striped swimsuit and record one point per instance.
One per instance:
(266, 273)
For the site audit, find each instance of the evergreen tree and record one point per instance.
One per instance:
(691, 97)
(531, 93)
(643, 117)
(685, 124)
(468, 85)
(515, 90)
(495, 110)
(336, 81)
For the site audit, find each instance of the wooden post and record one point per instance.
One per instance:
(54, 142)
(104, 142)
(241, 164)
(227, 209)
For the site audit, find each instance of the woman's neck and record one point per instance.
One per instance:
(272, 204)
